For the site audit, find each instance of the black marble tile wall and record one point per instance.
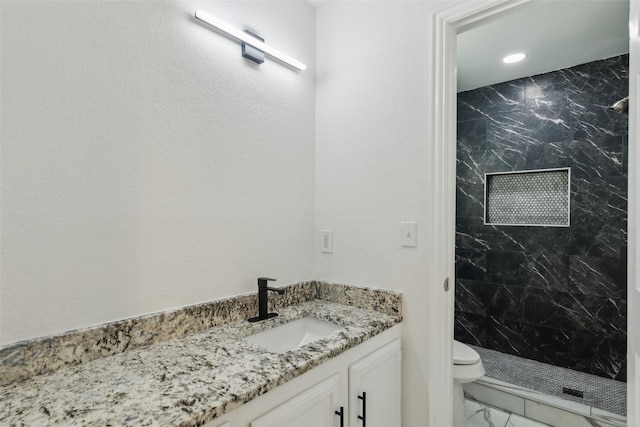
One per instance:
(552, 294)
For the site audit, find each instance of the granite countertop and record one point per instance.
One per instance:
(186, 380)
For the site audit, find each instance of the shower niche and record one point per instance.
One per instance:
(528, 198)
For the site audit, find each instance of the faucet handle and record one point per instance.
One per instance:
(262, 281)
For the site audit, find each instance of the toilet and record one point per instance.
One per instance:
(467, 367)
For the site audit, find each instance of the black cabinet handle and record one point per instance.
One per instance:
(364, 409)
(341, 414)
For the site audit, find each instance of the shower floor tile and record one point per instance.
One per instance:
(601, 393)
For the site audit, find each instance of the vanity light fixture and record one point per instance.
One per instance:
(516, 57)
(252, 47)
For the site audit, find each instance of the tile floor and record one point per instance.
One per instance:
(481, 415)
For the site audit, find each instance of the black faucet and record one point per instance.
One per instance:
(263, 289)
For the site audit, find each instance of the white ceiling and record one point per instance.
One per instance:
(554, 34)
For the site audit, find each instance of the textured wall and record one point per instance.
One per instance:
(145, 164)
(557, 295)
(373, 163)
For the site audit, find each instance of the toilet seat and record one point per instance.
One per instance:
(464, 355)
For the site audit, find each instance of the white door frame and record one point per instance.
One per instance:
(633, 255)
(447, 25)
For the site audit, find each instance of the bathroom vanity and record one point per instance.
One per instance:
(202, 369)
(363, 382)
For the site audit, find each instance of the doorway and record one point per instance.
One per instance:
(448, 25)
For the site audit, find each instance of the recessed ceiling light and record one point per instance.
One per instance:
(510, 59)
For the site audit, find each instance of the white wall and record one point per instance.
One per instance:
(374, 161)
(145, 164)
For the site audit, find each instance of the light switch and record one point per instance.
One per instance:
(326, 241)
(409, 234)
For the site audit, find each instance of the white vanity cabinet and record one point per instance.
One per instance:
(217, 424)
(314, 407)
(227, 420)
(374, 388)
(371, 370)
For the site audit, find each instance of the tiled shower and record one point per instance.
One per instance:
(554, 294)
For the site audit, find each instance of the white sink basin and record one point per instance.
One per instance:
(294, 334)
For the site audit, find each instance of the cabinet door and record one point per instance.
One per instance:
(374, 388)
(314, 407)
(227, 420)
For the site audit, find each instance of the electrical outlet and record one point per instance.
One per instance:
(409, 234)
(326, 241)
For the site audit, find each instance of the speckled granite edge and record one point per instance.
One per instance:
(22, 360)
(185, 381)
(382, 300)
